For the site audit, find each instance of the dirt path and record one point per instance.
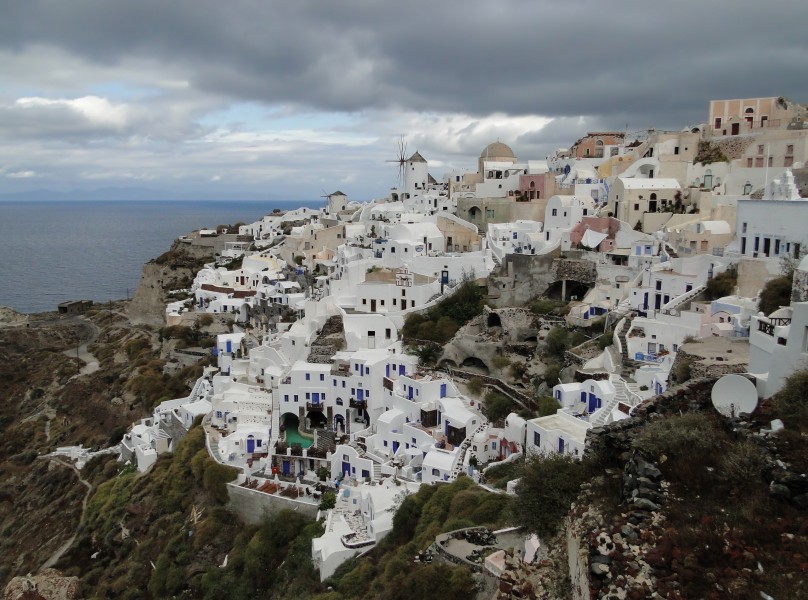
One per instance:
(63, 548)
(91, 364)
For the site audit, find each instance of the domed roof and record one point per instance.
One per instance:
(497, 150)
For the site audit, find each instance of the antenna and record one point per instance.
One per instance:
(402, 158)
(733, 395)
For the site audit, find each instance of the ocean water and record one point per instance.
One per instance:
(69, 250)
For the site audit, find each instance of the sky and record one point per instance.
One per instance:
(292, 100)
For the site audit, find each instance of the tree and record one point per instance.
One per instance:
(775, 293)
(548, 485)
(557, 341)
(722, 284)
(498, 406)
(547, 406)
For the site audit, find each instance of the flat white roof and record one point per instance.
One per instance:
(440, 459)
(642, 183)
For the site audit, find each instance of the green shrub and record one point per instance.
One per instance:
(791, 402)
(547, 405)
(687, 435)
(775, 293)
(328, 501)
(205, 320)
(498, 406)
(543, 306)
(475, 385)
(722, 285)
(216, 478)
(547, 487)
(557, 341)
(552, 372)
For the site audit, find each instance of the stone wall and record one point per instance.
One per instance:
(254, 506)
(521, 278)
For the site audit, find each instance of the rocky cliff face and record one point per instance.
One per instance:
(172, 270)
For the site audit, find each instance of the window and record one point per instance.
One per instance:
(743, 228)
(536, 438)
(790, 149)
(308, 396)
(555, 212)
(760, 148)
(286, 397)
(771, 161)
(636, 206)
(308, 376)
(676, 150)
(435, 472)
(322, 376)
(296, 398)
(748, 163)
(717, 123)
(387, 333)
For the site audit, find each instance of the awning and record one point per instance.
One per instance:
(592, 239)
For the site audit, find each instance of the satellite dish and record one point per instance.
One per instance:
(733, 395)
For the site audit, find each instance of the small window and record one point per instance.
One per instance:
(536, 438)
(555, 212)
(308, 376)
(322, 376)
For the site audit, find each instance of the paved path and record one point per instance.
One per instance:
(63, 548)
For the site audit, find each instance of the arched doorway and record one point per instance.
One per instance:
(494, 320)
(339, 424)
(475, 363)
(316, 419)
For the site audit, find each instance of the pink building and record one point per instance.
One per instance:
(608, 226)
(535, 187)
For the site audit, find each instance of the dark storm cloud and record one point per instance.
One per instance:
(646, 63)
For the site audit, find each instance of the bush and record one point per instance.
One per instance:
(328, 501)
(475, 385)
(547, 487)
(682, 370)
(518, 370)
(547, 405)
(722, 285)
(498, 406)
(791, 402)
(205, 320)
(557, 341)
(552, 373)
(543, 306)
(687, 435)
(775, 293)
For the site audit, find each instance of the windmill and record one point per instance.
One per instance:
(401, 160)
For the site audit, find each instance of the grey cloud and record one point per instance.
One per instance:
(654, 61)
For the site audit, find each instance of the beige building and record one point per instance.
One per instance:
(740, 116)
(631, 198)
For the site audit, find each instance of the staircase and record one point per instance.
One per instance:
(624, 392)
(684, 298)
(377, 471)
(275, 428)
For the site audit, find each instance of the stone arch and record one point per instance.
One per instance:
(476, 363)
(494, 320)
(447, 362)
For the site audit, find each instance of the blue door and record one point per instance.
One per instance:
(401, 369)
(315, 398)
(561, 444)
(286, 467)
(395, 447)
(387, 370)
(442, 390)
(594, 403)
(409, 394)
(360, 394)
(583, 397)
(346, 467)
(250, 445)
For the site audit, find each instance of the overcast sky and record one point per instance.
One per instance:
(290, 99)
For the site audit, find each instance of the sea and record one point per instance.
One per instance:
(55, 251)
